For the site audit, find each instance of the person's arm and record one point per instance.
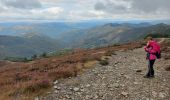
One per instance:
(152, 51)
(146, 49)
(149, 50)
(148, 43)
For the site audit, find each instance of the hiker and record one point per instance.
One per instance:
(153, 52)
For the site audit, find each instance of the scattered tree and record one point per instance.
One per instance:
(34, 57)
(44, 55)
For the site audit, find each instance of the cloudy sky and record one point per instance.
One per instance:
(75, 10)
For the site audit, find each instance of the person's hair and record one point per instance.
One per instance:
(149, 38)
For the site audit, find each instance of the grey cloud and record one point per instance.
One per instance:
(110, 7)
(136, 6)
(22, 4)
(1, 9)
(99, 6)
(149, 6)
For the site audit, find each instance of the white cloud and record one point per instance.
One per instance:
(47, 11)
(91, 14)
(84, 9)
(54, 10)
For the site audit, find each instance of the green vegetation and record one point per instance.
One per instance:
(18, 59)
(60, 53)
(43, 55)
(158, 35)
(110, 53)
(37, 86)
(104, 62)
(100, 36)
(34, 57)
(13, 46)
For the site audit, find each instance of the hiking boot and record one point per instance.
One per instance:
(146, 76)
(152, 76)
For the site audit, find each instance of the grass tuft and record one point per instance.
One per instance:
(89, 64)
(104, 62)
(110, 53)
(36, 86)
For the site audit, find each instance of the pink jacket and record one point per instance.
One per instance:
(151, 51)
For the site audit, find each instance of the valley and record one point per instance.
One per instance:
(24, 41)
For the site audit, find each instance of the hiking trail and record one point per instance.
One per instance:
(122, 79)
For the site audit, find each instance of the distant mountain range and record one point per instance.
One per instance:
(111, 33)
(27, 39)
(51, 29)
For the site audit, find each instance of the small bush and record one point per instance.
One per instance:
(14, 93)
(104, 62)
(34, 69)
(34, 57)
(63, 73)
(110, 53)
(19, 77)
(90, 58)
(89, 64)
(167, 68)
(116, 44)
(44, 55)
(37, 86)
(158, 35)
(61, 53)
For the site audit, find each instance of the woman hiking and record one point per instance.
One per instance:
(153, 50)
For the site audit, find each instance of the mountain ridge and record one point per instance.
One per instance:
(31, 43)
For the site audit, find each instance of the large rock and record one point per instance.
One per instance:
(124, 94)
(56, 87)
(36, 98)
(162, 95)
(76, 89)
(88, 85)
(56, 82)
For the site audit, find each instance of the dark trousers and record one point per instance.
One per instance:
(150, 68)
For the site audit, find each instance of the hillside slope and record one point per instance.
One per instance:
(122, 79)
(25, 80)
(110, 34)
(30, 43)
(80, 75)
(13, 46)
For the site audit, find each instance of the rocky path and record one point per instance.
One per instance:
(122, 79)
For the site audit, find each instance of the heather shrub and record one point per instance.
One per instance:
(33, 87)
(104, 62)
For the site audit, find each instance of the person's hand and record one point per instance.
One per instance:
(148, 43)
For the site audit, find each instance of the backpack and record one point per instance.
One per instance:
(158, 55)
(157, 48)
